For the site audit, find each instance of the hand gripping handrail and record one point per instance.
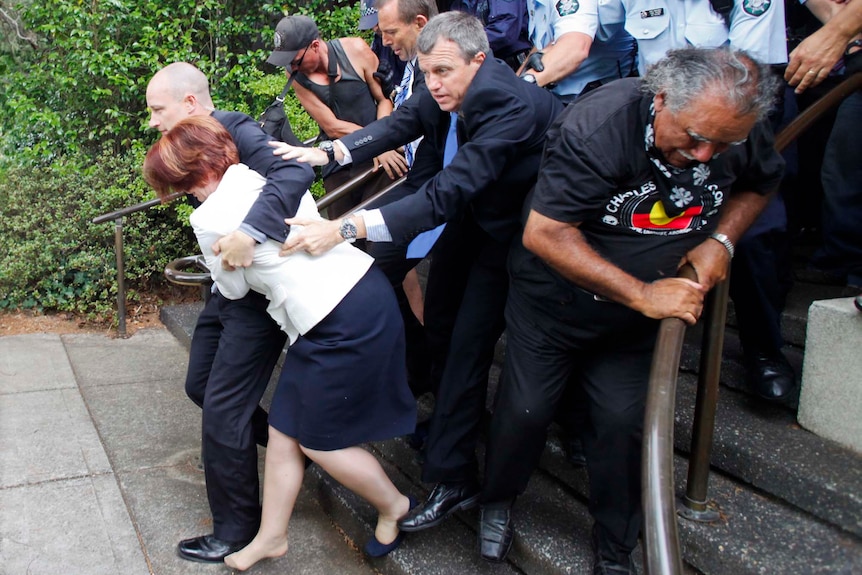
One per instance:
(661, 540)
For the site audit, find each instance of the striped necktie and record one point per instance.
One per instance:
(400, 97)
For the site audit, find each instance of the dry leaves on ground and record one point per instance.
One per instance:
(139, 315)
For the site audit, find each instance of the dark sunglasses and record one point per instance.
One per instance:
(296, 63)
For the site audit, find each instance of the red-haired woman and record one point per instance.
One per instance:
(344, 380)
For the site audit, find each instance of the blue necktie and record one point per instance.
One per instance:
(400, 97)
(422, 244)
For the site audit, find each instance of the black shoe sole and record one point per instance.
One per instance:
(497, 559)
(468, 503)
(200, 559)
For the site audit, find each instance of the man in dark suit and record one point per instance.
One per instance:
(236, 343)
(501, 125)
(399, 23)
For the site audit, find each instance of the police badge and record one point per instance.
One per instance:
(756, 7)
(567, 7)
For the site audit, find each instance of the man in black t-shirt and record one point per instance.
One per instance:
(636, 178)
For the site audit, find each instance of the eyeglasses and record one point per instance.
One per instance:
(698, 138)
(297, 62)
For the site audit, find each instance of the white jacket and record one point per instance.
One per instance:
(301, 289)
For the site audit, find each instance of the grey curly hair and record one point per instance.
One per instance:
(687, 73)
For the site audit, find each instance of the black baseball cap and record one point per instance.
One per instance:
(292, 34)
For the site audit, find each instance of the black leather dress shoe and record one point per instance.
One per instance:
(495, 534)
(445, 499)
(770, 376)
(208, 548)
(610, 559)
(605, 567)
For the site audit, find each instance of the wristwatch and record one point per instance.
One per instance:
(725, 241)
(326, 146)
(529, 78)
(347, 229)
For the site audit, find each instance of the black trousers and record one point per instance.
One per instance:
(235, 347)
(761, 271)
(553, 339)
(760, 280)
(464, 302)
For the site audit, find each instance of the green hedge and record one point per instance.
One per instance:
(73, 131)
(52, 257)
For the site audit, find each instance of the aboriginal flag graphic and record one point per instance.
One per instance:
(649, 214)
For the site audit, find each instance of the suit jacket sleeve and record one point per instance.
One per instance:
(397, 129)
(286, 182)
(497, 125)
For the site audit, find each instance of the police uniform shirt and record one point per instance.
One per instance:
(757, 26)
(551, 19)
(636, 211)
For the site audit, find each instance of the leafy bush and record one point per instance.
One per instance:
(51, 254)
(84, 85)
(73, 130)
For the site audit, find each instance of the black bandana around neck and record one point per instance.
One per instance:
(685, 184)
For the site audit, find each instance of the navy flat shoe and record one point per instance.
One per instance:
(375, 548)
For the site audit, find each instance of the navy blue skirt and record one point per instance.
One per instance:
(345, 381)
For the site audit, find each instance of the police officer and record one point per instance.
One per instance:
(578, 46)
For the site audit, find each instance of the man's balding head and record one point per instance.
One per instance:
(177, 91)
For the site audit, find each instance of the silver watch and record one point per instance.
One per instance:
(725, 241)
(347, 230)
(329, 148)
(529, 78)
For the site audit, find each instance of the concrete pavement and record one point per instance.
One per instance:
(99, 464)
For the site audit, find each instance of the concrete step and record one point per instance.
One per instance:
(789, 501)
(762, 445)
(795, 315)
(443, 551)
(755, 533)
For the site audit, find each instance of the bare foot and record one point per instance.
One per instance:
(387, 525)
(255, 551)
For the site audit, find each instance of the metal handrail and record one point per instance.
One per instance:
(661, 539)
(373, 199)
(661, 542)
(117, 217)
(344, 189)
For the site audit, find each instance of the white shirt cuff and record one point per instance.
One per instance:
(347, 159)
(375, 228)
